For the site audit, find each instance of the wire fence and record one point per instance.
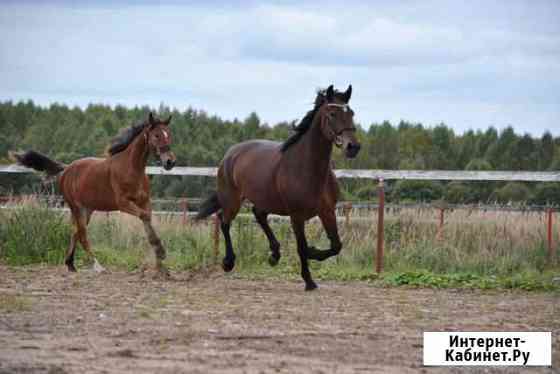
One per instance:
(348, 211)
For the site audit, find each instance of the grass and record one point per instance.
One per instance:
(505, 250)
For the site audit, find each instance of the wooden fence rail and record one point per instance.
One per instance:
(449, 175)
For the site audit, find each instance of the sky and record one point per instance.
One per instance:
(469, 64)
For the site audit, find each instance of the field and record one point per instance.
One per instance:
(486, 271)
(52, 321)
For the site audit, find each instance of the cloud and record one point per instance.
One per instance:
(470, 65)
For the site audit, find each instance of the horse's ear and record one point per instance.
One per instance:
(348, 94)
(166, 122)
(151, 120)
(330, 93)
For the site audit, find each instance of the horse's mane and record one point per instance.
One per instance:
(305, 123)
(124, 137)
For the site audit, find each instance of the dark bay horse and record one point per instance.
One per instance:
(291, 179)
(116, 182)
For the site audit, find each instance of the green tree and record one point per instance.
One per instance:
(546, 151)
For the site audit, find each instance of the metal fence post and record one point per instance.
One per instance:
(380, 227)
(549, 235)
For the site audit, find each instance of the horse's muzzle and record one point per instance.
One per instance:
(352, 149)
(168, 165)
(167, 160)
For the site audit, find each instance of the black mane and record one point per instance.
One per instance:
(305, 123)
(125, 136)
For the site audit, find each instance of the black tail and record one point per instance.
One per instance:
(208, 207)
(38, 161)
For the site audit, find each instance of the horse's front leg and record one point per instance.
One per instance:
(145, 215)
(127, 205)
(298, 226)
(328, 219)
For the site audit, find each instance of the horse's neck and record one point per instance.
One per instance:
(137, 154)
(312, 155)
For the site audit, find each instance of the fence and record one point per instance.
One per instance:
(379, 176)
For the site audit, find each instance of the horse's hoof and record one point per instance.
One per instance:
(228, 265)
(273, 260)
(98, 268)
(311, 286)
(71, 268)
(162, 274)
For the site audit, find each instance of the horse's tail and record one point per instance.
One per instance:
(208, 207)
(37, 161)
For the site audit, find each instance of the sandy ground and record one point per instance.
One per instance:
(52, 322)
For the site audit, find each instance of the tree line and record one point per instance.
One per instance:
(199, 139)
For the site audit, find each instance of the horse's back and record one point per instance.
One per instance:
(257, 155)
(249, 169)
(86, 167)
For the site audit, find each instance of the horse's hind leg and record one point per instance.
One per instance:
(69, 260)
(82, 220)
(261, 217)
(230, 208)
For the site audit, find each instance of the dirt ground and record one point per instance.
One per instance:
(52, 322)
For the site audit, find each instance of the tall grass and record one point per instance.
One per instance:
(472, 244)
(31, 233)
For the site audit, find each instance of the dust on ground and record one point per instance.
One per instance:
(52, 321)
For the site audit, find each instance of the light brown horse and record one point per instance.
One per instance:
(290, 179)
(116, 182)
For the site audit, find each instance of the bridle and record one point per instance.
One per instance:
(158, 150)
(335, 136)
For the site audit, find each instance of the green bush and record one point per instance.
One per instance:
(417, 190)
(513, 192)
(367, 192)
(32, 233)
(547, 194)
(457, 193)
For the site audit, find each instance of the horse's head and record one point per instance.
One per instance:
(159, 140)
(337, 122)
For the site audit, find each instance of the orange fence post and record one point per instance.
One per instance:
(216, 237)
(346, 209)
(441, 223)
(185, 207)
(549, 235)
(380, 227)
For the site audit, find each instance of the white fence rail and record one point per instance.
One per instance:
(450, 175)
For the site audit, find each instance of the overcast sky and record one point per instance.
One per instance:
(469, 64)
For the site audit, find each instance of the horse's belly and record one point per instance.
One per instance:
(269, 204)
